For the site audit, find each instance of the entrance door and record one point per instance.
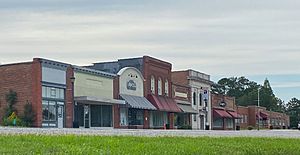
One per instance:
(60, 116)
(201, 122)
(86, 116)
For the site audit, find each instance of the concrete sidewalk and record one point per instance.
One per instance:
(152, 133)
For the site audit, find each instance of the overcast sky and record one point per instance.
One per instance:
(254, 38)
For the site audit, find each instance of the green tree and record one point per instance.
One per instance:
(11, 99)
(293, 110)
(28, 116)
(246, 92)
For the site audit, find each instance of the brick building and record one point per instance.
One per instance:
(182, 96)
(251, 115)
(157, 86)
(43, 83)
(224, 111)
(129, 86)
(199, 86)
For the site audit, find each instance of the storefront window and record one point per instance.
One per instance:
(159, 118)
(229, 123)
(218, 122)
(51, 97)
(49, 111)
(135, 116)
(123, 116)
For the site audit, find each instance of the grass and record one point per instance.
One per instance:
(71, 144)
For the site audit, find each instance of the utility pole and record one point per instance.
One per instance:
(258, 108)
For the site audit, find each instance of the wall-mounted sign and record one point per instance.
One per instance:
(222, 104)
(179, 94)
(205, 95)
(131, 85)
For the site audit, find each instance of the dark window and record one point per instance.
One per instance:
(200, 99)
(101, 115)
(194, 98)
(135, 116)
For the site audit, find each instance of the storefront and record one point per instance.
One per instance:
(224, 114)
(164, 117)
(94, 101)
(53, 94)
(183, 120)
(135, 113)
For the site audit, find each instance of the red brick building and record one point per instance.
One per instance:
(251, 115)
(224, 114)
(157, 86)
(199, 85)
(43, 83)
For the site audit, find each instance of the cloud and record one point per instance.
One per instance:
(219, 38)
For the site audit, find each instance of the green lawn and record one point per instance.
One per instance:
(70, 144)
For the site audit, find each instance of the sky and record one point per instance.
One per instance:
(254, 38)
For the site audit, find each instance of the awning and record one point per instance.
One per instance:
(221, 113)
(97, 100)
(137, 102)
(263, 115)
(187, 108)
(234, 114)
(164, 103)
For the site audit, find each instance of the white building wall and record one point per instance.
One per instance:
(199, 87)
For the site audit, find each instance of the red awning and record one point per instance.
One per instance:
(221, 113)
(263, 115)
(234, 114)
(164, 103)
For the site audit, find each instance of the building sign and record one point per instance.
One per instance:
(205, 95)
(179, 94)
(131, 85)
(222, 104)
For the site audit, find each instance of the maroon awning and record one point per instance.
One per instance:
(221, 113)
(262, 115)
(234, 114)
(164, 103)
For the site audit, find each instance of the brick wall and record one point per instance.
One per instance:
(17, 77)
(180, 77)
(69, 97)
(116, 109)
(37, 91)
(181, 89)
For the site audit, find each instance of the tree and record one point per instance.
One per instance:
(11, 99)
(28, 116)
(246, 92)
(293, 110)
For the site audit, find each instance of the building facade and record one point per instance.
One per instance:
(199, 85)
(135, 113)
(224, 113)
(46, 85)
(157, 86)
(182, 96)
(93, 95)
(251, 116)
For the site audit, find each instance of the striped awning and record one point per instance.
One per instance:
(137, 102)
(221, 113)
(163, 103)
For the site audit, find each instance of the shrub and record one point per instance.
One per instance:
(28, 117)
(185, 127)
(250, 127)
